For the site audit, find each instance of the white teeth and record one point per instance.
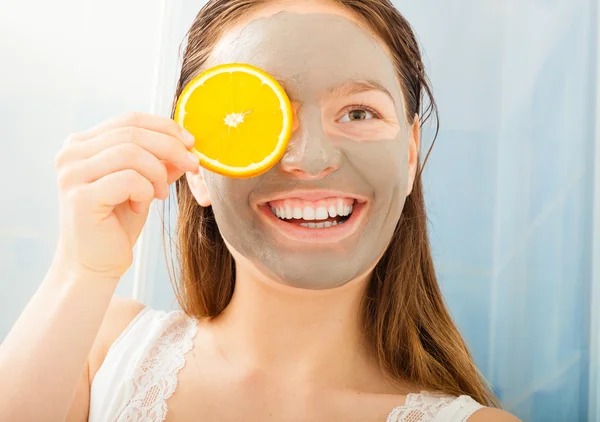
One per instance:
(332, 211)
(323, 225)
(309, 213)
(286, 212)
(340, 207)
(322, 213)
(341, 210)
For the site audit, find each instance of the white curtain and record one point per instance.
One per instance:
(512, 196)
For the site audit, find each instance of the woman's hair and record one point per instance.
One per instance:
(405, 320)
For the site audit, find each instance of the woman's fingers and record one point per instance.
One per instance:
(117, 158)
(116, 188)
(139, 207)
(164, 147)
(129, 147)
(174, 173)
(140, 120)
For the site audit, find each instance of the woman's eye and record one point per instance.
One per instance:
(357, 114)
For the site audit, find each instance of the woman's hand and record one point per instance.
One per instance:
(107, 177)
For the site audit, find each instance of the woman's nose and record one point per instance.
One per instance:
(310, 154)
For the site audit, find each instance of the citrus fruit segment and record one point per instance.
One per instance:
(240, 116)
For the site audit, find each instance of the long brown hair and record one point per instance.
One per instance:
(405, 320)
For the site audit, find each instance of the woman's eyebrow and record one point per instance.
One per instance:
(358, 86)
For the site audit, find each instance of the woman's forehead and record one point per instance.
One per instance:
(310, 50)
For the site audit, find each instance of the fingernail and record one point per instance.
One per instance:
(193, 158)
(188, 137)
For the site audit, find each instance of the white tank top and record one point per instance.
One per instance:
(139, 374)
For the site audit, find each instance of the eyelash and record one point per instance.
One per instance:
(362, 107)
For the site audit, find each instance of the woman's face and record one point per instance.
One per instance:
(350, 145)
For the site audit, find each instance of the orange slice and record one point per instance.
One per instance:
(240, 116)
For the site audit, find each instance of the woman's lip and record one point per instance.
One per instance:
(326, 235)
(313, 195)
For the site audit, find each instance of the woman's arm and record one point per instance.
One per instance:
(60, 352)
(107, 178)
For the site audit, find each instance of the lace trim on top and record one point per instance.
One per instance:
(421, 407)
(155, 379)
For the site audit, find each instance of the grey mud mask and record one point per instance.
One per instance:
(311, 54)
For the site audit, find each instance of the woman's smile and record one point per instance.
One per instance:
(315, 216)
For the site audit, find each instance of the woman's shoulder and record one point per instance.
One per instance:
(120, 314)
(488, 414)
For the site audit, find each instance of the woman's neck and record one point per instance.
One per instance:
(305, 335)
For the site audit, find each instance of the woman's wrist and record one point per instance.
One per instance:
(63, 270)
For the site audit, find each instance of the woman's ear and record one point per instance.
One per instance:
(198, 187)
(414, 140)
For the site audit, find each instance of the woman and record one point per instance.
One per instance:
(278, 324)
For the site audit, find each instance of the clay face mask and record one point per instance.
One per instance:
(352, 138)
